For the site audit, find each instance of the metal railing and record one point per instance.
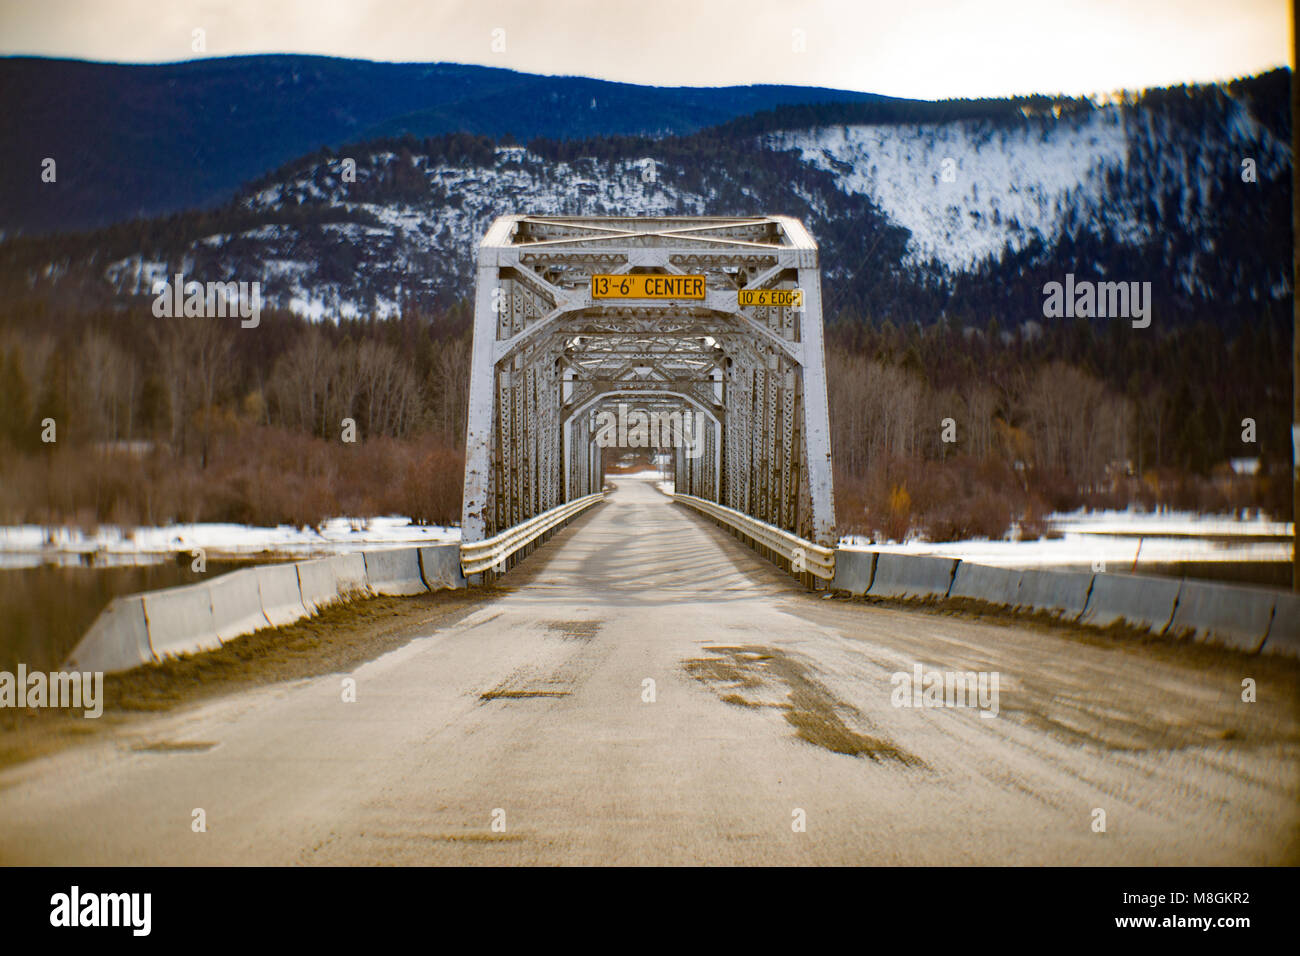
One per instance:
(804, 556)
(491, 553)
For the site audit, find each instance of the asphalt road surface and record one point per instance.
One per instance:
(530, 732)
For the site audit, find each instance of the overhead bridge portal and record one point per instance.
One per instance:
(699, 337)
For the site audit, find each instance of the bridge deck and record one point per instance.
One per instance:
(534, 704)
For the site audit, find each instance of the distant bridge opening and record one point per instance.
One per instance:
(584, 321)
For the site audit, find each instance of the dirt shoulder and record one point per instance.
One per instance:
(336, 640)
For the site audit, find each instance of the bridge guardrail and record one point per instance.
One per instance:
(479, 556)
(802, 555)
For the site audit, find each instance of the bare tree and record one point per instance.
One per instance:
(300, 383)
(449, 388)
(981, 406)
(108, 387)
(193, 361)
(389, 390)
(1077, 426)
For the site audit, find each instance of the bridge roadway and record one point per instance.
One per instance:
(533, 705)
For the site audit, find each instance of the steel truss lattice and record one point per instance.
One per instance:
(548, 358)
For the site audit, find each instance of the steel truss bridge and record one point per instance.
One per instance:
(551, 355)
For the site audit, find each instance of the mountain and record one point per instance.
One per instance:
(1152, 188)
(141, 140)
(957, 210)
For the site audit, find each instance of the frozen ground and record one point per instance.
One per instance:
(1120, 540)
(24, 546)
(32, 545)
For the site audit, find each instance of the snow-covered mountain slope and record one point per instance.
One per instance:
(971, 191)
(385, 253)
(967, 191)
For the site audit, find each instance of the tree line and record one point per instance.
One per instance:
(953, 431)
(207, 399)
(964, 431)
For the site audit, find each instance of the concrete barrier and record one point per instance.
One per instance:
(1223, 613)
(1284, 629)
(180, 620)
(326, 581)
(982, 583)
(350, 575)
(1064, 593)
(236, 605)
(118, 640)
(440, 566)
(1141, 601)
(394, 571)
(316, 584)
(853, 571)
(149, 627)
(277, 585)
(911, 575)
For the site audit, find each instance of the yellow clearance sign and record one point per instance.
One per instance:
(647, 287)
(784, 298)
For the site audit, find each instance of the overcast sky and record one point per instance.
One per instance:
(918, 48)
